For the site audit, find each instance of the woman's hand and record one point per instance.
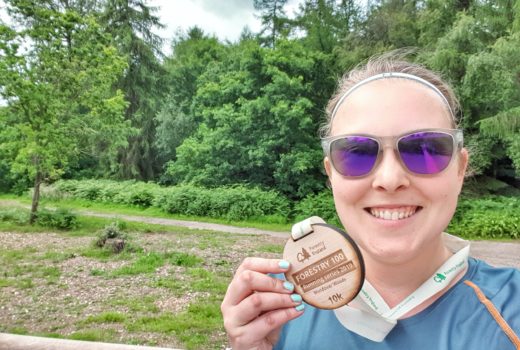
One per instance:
(256, 305)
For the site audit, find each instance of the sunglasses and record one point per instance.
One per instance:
(421, 152)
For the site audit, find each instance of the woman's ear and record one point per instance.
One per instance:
(463, 162)
(327, 166)
(463, 166)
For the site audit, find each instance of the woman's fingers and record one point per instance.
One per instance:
(263, 265)
(263, 327)
(261, 303)
(256, 305)
(248, 282)
(251, 276)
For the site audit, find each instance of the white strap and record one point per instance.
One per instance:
(303, 228)
(370, 316)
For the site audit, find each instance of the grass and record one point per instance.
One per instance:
(144, 304)
(79, 205)
(191, 326)
(190, 268)
(106, 317)
(147, 263)
(99, 335)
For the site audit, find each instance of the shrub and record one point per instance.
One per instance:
(136, 193)
(489, 225)
(489, 217)
(232, 203)
(62, 219)
(321, 204)
(14, 215)
(111, 231)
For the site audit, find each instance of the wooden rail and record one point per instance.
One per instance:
(24, 342)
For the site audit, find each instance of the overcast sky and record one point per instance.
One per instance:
(225, 19)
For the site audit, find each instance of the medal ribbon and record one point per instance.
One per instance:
(370, 316)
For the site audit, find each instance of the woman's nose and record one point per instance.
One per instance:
(390, 176)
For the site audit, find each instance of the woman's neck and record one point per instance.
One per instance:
(395, 281)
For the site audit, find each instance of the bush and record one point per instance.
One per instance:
(14, 215)
(113, 237)
(62, 219)
(231, 203)
(490, 217)
(321, 204)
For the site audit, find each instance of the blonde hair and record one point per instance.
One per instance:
(393, 62)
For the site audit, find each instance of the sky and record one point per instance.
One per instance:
(225, 19)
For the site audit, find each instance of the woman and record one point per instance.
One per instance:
(396, 165)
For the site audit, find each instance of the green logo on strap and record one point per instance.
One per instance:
(439, 278)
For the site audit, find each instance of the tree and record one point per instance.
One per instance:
(192, 54)
(131, 23)
(325, 23)
(274, 19)
(258, 122)
(56, 74)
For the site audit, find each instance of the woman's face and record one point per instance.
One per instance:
(392, 107)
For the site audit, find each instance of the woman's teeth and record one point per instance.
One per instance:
(393, 214)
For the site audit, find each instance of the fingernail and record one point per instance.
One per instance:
(300, 307)
(283, 264)
(296, 298)
(288, 285)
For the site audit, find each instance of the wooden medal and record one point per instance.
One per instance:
(327, 267)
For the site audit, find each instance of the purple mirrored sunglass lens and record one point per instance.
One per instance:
(426, 152)
(354, 156)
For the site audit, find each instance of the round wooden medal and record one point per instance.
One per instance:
(327, 267)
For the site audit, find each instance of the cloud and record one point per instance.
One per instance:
(229, 8)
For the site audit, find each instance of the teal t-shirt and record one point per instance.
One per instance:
(457, 320)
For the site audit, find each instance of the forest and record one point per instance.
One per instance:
(88, 93)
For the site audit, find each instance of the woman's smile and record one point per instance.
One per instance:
(393, 213)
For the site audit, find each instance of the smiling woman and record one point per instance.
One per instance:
(396, 164)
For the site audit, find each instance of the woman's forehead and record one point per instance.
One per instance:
(383, 103)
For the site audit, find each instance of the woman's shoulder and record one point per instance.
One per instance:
(492, 281)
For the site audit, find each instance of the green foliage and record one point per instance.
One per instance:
(274, 20)
(493, 217)
(114, 240)
(258, 122)
(321, 204)
(183, 259)
(113, 230)
(131, 24)
(62, 219)
(59, 91)
(107, 191)
(94, 97)
(14, 215)
(232, 203)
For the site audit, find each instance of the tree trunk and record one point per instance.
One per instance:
(35, 198)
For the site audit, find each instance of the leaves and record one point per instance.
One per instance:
(59, 90)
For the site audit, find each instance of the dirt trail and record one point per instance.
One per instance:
(495, 253)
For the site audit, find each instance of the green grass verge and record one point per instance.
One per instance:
(78, 205)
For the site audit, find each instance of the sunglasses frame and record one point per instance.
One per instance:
(392, 141)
